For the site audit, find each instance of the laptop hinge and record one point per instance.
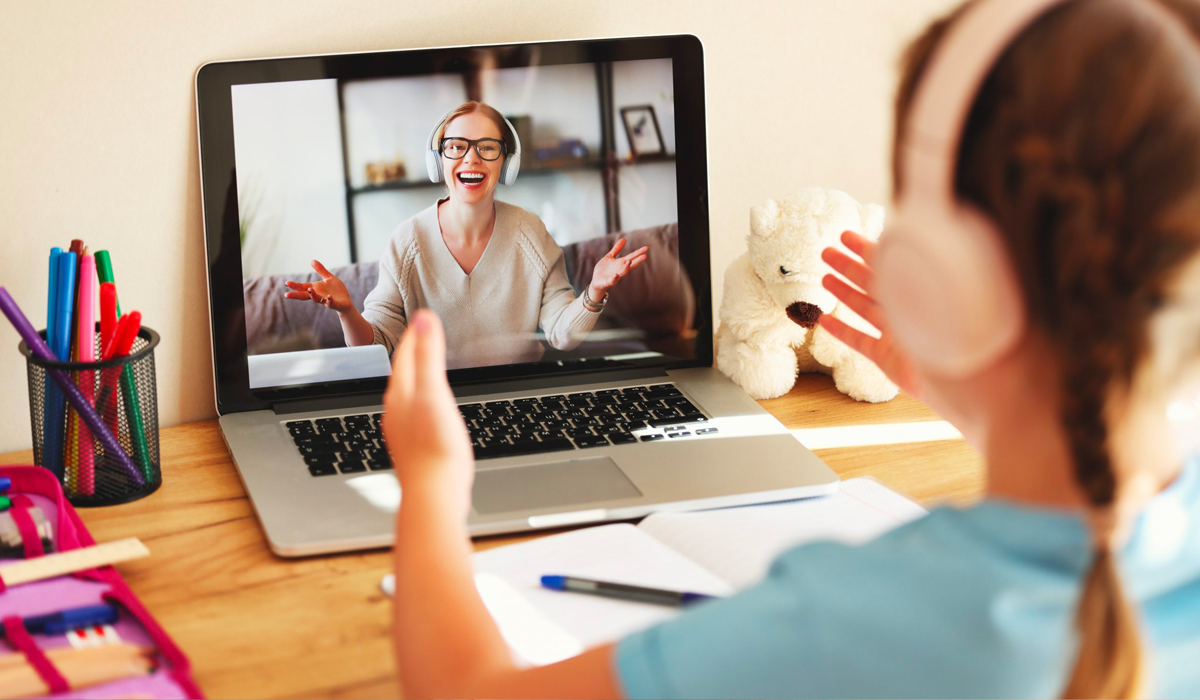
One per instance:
(330, 403)
(526, 384)
(327, 403)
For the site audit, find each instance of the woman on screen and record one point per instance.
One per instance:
(490, 269)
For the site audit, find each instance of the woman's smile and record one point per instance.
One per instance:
(471, 179)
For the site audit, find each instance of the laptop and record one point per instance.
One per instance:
(325, 158)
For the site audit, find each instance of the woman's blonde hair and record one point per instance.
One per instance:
(510, 141)
(1083, 146)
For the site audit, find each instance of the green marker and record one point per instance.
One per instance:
(5, 504)
(133, 409)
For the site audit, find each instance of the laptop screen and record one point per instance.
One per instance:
(530, 195)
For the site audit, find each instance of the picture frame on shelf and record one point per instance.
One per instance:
(641, 126)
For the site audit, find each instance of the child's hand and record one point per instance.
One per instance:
(882, 351)
(424, 431)
(610, 269)
(330, 292)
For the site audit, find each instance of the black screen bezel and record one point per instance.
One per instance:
(220, 211)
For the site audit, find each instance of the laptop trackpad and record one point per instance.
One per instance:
(550, 485)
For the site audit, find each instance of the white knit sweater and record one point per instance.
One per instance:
(492, 315)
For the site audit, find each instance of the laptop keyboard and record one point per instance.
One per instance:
(346, 445)
(524, 426)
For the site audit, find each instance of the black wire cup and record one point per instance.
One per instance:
(124, 394)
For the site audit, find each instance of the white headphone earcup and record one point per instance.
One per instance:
(512, 166)
(947, 289)
(433, 165)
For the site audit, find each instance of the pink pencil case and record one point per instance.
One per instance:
(172, 676)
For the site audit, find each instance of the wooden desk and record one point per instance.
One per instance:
(255, 625)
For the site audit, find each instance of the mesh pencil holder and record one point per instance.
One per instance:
(125, 397)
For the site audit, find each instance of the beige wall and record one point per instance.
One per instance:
(98, 133)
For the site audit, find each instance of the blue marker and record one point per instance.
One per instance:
(52, 301)
(66, 304)
(76, 618)
(622, 591)
(52, 428)
(5, 484)
(58, 337)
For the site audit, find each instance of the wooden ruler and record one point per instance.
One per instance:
(62, 563)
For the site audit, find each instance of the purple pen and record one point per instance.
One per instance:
(93, 420)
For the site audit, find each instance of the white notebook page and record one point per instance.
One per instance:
(620, 553)
(738, 544)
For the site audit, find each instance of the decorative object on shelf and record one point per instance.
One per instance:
(641, 126)
(559, 154)
(383, 172)
(773, 298)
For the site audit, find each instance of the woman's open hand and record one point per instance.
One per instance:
(882, 350)
(425, 433)
(610, 269)
(330, 292)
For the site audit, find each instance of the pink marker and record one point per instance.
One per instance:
(87, 379)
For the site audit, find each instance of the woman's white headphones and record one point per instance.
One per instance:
(433, 154)
(943, 276)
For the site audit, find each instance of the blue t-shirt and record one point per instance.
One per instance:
(978, 602)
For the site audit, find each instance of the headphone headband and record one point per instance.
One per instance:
(946, 92)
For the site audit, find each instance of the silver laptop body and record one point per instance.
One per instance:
(728, 452)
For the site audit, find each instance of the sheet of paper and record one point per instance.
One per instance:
(620, 553)
(738, 544)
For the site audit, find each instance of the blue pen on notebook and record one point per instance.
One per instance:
(73, 619)
(622, 591)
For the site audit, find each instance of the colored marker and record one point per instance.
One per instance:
(68, 270)
(622, 591)
(108, 327)
(133, 406)
(73, 619)
(66, 291)
(118, 346)
(52, 421)
(71, 445)
(86, 476)
(75, 397)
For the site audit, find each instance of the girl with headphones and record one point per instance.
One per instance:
(489, 268)
(1039, 284)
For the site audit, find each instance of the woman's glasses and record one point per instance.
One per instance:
(488, 149)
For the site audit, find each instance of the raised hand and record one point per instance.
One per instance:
(610, 269)
(330, 292)
(424, 432)
(888, 356)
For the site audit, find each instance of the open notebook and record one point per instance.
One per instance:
(716, 552)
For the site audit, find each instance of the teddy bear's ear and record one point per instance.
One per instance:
(764, 219)
(872, 216)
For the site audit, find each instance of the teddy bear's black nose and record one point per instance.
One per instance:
(784, 271)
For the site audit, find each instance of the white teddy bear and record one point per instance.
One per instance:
(773, 297)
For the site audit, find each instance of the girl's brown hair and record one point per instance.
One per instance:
(486, 110)
(1083, 146)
